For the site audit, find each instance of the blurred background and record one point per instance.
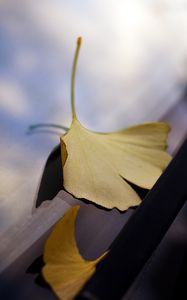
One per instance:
(132, 68)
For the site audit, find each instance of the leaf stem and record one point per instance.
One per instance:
(73, 73)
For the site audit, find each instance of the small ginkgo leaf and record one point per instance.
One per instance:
(65, 270)
(97, 165)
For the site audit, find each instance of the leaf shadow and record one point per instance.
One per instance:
(35, 269)
(52, 180)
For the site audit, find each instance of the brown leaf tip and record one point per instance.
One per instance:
(79, 41)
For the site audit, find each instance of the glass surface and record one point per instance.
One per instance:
(132, 69)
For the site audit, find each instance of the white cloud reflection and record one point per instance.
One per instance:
(12, 99)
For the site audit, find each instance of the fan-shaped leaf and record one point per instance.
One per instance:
(97, 165)
(66, 271)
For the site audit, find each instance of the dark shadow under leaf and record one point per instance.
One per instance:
(52, 180)
(36, 268)
(36, 265)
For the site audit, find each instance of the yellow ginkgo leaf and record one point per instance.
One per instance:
(97, 165)
(65, 270)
